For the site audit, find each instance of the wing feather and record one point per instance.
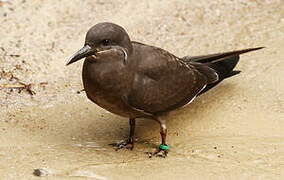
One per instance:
(163, 82)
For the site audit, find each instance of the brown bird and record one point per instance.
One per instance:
(135, 80)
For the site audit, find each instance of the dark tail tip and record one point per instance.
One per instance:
(257, 48)
(250, 49)
(232, 73)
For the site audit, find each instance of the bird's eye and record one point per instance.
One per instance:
(105, 42)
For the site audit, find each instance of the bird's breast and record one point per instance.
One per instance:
(106, 84)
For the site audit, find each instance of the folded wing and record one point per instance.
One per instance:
(163, 82)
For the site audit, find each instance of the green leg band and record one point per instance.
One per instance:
(164, 147)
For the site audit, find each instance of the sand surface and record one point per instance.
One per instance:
(235, 131)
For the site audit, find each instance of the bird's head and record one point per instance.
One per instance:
(101, 38)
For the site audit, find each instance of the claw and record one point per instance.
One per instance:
(158, 153)
(123, 144)
(161, 151)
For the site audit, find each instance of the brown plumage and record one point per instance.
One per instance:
(135, 80)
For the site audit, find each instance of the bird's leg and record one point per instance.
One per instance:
(129, 143)
(163, 148)
(131, 132)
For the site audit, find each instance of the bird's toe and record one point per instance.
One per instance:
(125, 144)
(162, 151)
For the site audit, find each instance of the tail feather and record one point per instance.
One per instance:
(218, 56)
(224, 67)
(222, 63)
(232, 73)
(224, 70)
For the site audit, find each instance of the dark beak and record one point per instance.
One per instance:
(84, 52)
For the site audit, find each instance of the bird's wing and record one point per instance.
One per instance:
(163, 82)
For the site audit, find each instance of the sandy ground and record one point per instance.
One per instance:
(235, 131)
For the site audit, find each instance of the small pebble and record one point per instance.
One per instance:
(40, 172)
